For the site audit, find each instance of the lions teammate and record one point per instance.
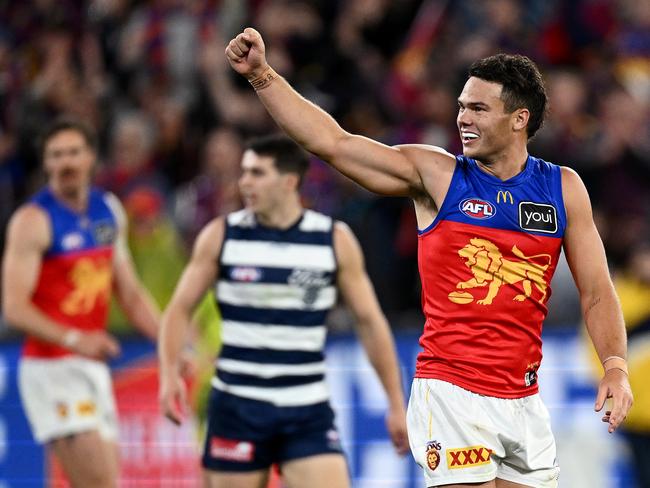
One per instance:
(66, 250)
(275, 268)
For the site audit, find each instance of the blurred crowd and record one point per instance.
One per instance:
(151, 77)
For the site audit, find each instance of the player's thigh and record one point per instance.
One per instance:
(239, 437)
(87, 459)
(451, 438)
(321, 471)
(67, 396)
(249, 479)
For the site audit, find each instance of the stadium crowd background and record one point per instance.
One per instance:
(172, 117)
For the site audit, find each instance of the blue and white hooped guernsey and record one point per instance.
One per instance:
(274, 291)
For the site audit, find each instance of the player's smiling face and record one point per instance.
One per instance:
(485, 127)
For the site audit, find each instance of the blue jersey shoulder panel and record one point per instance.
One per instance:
(78, 231)
(530, 202)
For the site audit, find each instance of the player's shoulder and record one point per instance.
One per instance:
(29, 223)
(571, 180)
(29, 213)
(427, 155)
(112, 202)
(215, 226)
(239, 218)
(209, 241)
(569, 173)
(213, 231)
(343, 235)
(108, 197)
(313, 221)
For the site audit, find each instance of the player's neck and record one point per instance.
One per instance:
(505, 165)
(281, 216)
(76, 199)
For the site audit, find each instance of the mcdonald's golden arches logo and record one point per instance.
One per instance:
(505, 195)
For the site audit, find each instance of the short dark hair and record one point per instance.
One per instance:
(522, 85)
(287, 155)
(64, 123)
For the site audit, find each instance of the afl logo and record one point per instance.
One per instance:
(246, 274)
(477, 208)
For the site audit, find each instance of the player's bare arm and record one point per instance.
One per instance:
(379, 168)
(28, 237)
(372, 328)
(600, 307)
(198, 276)
(134, 299)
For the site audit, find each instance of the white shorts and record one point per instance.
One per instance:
(457, 436)
(67, 395)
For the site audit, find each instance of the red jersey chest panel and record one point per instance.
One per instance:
(486, 264)
(74, 284)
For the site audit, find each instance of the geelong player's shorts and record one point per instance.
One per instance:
(457, 436)
(66, 396)
(249, 435)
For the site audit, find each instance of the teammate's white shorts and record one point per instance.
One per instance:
(458, 436)
(67, 395)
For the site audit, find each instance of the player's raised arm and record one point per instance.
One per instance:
(375, 166)
(197, 277)
(600, 306)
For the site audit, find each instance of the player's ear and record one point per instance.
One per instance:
(520, 119)
(293, 181)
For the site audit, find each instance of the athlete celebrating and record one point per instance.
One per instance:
(491, 225)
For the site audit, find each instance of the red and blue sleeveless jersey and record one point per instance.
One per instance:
(74, 285)
(486, 263)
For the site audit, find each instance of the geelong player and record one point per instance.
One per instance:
(491, 225)
(65, 252)
(275, 268)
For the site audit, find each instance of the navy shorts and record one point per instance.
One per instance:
(249, 435)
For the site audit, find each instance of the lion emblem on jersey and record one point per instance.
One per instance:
(91, 282)
(489, 268)
(433, 455)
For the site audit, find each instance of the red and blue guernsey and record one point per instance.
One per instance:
(485, 263)
(75, 280)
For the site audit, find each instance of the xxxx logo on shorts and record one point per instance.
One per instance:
(86, 408)
(468, 457)
(433, 454)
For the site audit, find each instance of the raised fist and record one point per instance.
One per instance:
(246, 54)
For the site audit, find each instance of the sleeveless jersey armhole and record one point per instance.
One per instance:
(445, 203)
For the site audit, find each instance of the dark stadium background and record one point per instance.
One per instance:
(172, 117)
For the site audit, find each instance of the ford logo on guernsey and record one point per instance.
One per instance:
(477, 208)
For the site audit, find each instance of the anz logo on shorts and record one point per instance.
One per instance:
(468, 457)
